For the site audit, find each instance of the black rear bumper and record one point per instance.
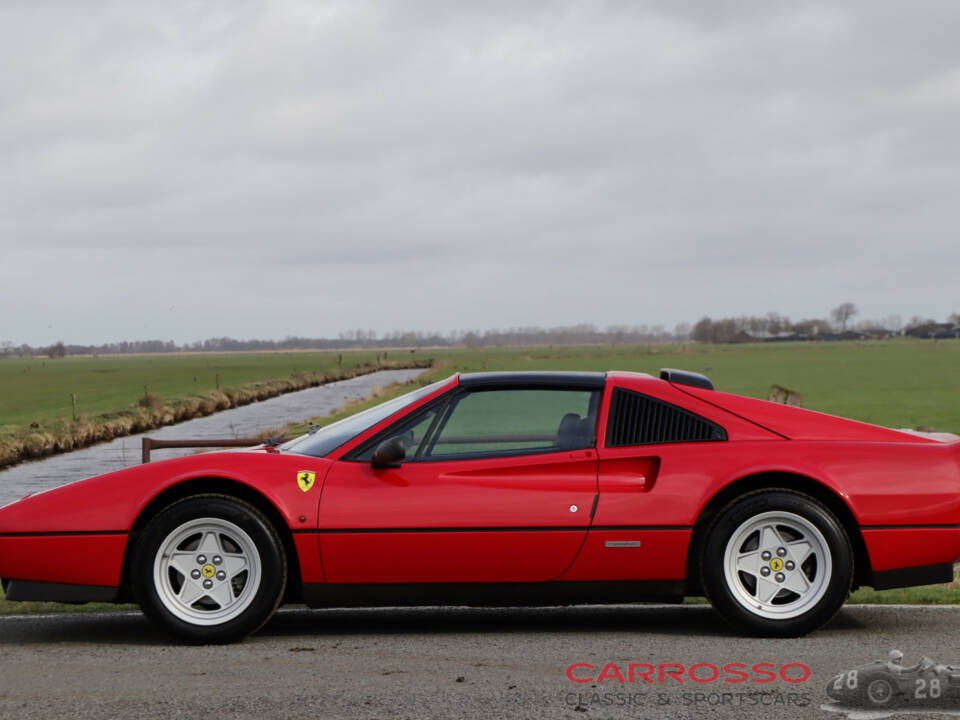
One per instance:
(909, 577)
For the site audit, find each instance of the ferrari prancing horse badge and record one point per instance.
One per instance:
(305, 480)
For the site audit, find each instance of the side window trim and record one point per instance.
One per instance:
(433, 430)
(437, 428)
(444, 407)
(389, 431)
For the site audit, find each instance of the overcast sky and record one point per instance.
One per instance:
(180, 170)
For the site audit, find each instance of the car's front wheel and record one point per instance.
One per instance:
(777, 563)
(210, 569)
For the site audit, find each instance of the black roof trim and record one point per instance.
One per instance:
(684, 377)
(577, 380)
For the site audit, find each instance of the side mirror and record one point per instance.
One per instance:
(390, 453)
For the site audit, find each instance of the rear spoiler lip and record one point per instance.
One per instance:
(685, 377)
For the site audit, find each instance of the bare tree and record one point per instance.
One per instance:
(842, 314)
(919, 321)
(776, 323)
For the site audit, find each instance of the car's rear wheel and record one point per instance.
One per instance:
(210, 569)
(777, 563)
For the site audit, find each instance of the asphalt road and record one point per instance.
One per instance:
(441, 663)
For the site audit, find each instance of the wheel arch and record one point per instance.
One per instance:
(221, 486)
(863, 574)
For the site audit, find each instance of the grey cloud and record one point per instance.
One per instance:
(438, 165)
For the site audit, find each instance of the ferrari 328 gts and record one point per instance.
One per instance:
(509, 489)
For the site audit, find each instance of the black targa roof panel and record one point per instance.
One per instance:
(573, 380)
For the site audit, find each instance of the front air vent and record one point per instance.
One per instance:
(637, 419)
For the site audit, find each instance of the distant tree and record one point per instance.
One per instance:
(57, 351)
(813, 327)
(758, 326)
(703, 330)
(954, 318)
(7, 347)
(919, 321)
(777, 324)
(842, 313)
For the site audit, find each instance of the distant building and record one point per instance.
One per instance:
(937, 331)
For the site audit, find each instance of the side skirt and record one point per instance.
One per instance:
(31, 590)
(319, 595)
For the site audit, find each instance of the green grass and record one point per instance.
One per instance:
(39, 389)
(901, 383)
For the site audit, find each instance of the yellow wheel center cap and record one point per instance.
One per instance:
(776, 565)
(208, 571)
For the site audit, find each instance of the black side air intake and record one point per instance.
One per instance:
(637, 419)
(684, 377)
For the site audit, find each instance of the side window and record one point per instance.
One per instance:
(514, 422)
(413, 432)
(637, 419)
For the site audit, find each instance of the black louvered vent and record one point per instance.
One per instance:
(636, 419)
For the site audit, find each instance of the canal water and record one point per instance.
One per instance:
(246, 421)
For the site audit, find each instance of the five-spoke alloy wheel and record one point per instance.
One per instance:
(776, 562)
(210, 568)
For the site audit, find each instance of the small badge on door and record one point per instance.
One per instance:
(305, 480)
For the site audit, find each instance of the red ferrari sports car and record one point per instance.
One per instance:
(509, 489)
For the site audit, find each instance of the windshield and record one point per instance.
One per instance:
(329, 438)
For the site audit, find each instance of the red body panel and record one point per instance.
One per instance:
(505, 556)
(890, 485)
(799, 424)
(115, 500)
(662, 555)
(528, 518)
(78, 559)
(536, 493)
(895, 548)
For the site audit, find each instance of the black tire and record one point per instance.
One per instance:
(828, 576)
(246, 570)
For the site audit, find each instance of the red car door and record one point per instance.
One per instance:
(498, 486)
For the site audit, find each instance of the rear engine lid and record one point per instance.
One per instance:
(799, 424)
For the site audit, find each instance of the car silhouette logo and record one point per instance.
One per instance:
(886, 687)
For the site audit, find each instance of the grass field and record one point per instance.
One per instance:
(38, 390)
(49, 406)
(901, 383)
